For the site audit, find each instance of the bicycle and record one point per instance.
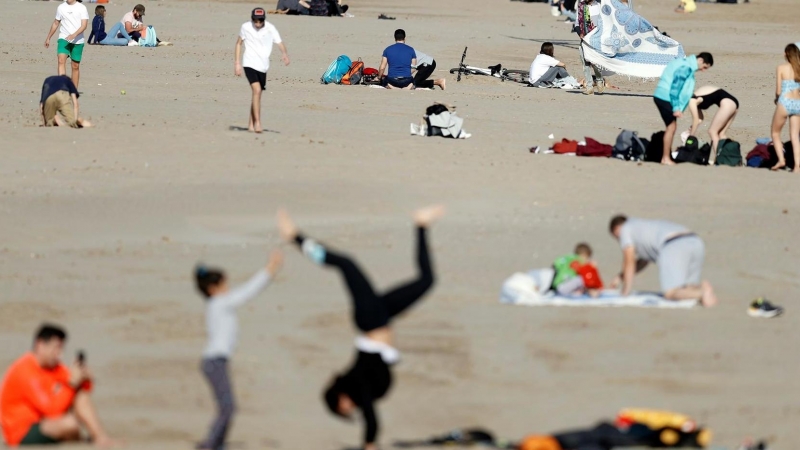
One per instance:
(497, 71)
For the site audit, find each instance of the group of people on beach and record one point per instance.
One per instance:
(42, 402)
(321, 8)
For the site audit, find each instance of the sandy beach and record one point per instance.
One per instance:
(101, 227)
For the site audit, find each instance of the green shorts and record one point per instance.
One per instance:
(36, 437)
(74, 51)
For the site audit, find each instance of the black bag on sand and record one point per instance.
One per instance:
(656, 148)
(773, 156)
(693, 153)
(629, 147)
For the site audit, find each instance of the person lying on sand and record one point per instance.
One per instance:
(293, 7)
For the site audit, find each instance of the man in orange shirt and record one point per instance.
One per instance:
(43, 402)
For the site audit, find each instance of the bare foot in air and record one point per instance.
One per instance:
(781, 164)
(423, 217)
(286, 226)
(709, 298)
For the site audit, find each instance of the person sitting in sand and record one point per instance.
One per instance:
(133, 26)
(576, 274)
(545, 69)
(294, 7)
(704, 97)
(787, 106)
(42, 402)
(399, 58)
(60, 96)
(99, 35)
(678, 252)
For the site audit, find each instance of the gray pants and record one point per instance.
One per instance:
(680, 263)
(588, 68)
(551, 75)
(216, 372)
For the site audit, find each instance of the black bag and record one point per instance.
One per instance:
(656, 148)
(693, 153)
(629, 147)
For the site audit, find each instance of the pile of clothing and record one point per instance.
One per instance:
(440, 120)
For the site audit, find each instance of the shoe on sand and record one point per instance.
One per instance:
(164, 44)
(761, 307)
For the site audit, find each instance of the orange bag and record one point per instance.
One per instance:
(355, 74)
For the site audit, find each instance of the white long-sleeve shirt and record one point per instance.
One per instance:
(222, 324)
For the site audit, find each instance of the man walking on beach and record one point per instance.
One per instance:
(71, 21)
(42, 402)
(673, 93)
(678, 252)
(258, 36)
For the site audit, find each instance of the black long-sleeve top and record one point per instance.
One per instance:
(367, 381)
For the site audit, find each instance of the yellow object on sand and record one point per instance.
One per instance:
(656, 419)
(689, 6)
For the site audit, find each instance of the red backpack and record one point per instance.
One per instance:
(355, 74)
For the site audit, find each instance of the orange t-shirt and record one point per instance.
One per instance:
(29, 393)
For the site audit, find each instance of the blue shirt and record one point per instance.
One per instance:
(399, 56)
(98, 30)
(57, 83)
(676, 85)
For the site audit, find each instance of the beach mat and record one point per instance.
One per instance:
(523, 289)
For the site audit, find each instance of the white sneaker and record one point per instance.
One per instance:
(555, 11)
(464, 135)
(133, 43)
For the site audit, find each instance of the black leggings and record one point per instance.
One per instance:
(423, 73)
(371, 310)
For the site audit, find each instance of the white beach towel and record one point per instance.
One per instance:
(533, 289)
(626, 43)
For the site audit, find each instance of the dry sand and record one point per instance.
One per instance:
(101, 227)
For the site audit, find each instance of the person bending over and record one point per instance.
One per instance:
(399, 58)
(545, 68)
(43, 402)
(673, 93)
(369, 377)
(678, 252)
(425, 67)
(60, 96)
(705, 97)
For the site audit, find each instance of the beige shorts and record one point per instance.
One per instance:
(60, 102)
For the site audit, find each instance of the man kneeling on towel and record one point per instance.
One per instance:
(678, 252)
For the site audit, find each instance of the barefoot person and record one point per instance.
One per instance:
(678, 252)
(787, 106)
(425, 67)
(43, 402)
(72, 19)
(58, 105)
(258, 36)
(223, 327)
(370, 376)
(705, 97)
(399, 58)
(673, 93)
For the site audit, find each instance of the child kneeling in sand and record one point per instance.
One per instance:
(59, 95)
(576, 274)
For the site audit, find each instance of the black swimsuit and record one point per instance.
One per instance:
(715, 98)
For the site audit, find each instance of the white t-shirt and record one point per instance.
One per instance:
(128, 17)
(71, 17)
(258, 45)
(540, 66)
(422, 58)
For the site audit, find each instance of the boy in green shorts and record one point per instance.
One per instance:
(72, 18)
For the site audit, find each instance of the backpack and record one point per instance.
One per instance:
(370, 76)
(336, 70)
(655, 151)
(691, 152)
(355, 74)
(151, 40)
(629, 147)
(729, 153)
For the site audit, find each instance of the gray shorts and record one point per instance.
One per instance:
(680, 263)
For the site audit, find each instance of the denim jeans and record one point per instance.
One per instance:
(112, 39)
(588, 68)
